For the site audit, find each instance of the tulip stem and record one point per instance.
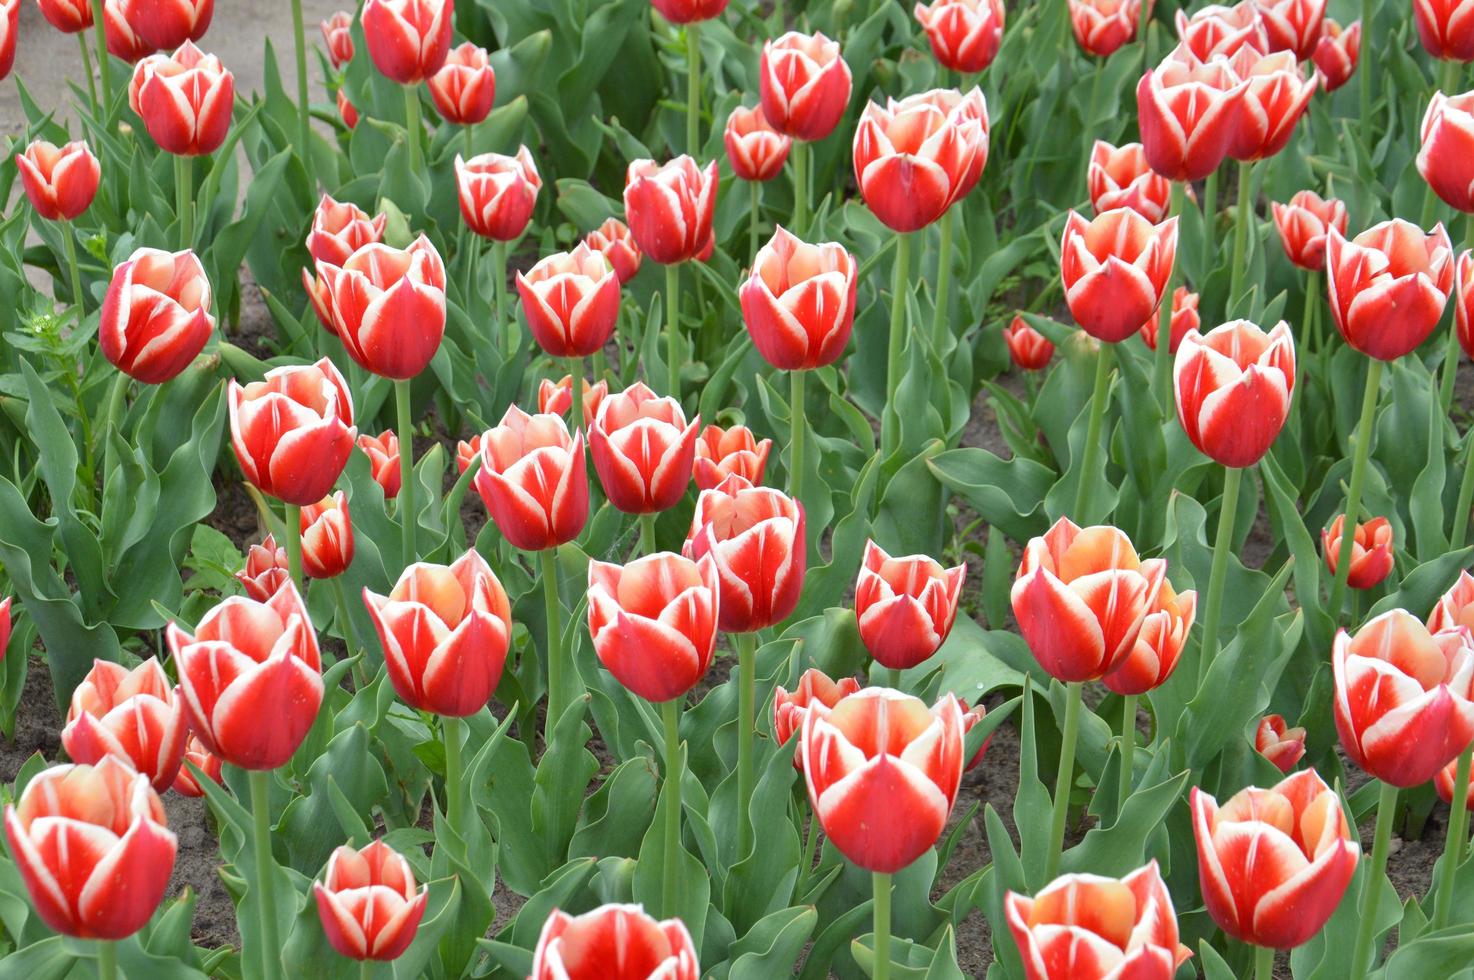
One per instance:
(806, 863)
(1241, 231)
(117, 401)
(412, 125)
(800, 157)
(746, 644)
(693, 88)
(1162, 357)
(294, 543)
(346, 632)
(673, 331)
(1368, 83)
(1310, 320)
(553, 614)
(99, 25)
(1210, 217)
(87, 70)
(1090, 452)
(670, 713)
(184, 195)
(1466, 497)
(941, 327)
(754, 217)
(575, 389)
(1453, 848)
(451, 734)
(365, 969)
(1360, 454)
(1263, 963)
(68, 238)
(647, 534)
(1128, 747)
(890, 423)
(798, 425)
(107, 950)
(260, 780)
(1064, 778)
(882, 906)
(406, 503)
(304, 113)
(1371, 889)
(499, 296)
(893, 678)
(1228, 506)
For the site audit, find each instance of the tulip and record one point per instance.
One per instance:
(1101, 27)
(265, 570)
(337, 32)
(720, 453)
(1273, 863)
(92, 847)
(198, 756)
(464, 88)
(497, 193)
(613, 238)
(1188, 112)
(1292, 25)
(799, 302)
(408, 40)
(805, 85)
(670, 207)
(555, 398)
(468, 449)
(367, 902)
(915, 157)
(971, 718)
(753, 533)
(119, 36)
(384, 464)
(1029, 349)
(1448, 140)
(1336, 54)
(1216, 30)
(1154, 655)
(643, 450)
(1119, 177)
(387, 306)
(1185, 319)
(327, 537)
(9, 31)
(135, 715)
(338, 230)
(156, 315)
(1279, 743)
(789, 709)
(571, 302)
(1115, 269)
(1086, 927)
(1233, 390)
(905, 606)
(1371, 551)
(1444, 29)
(1275, 96)
(614, 942)
(293, 431)
(166, 24)
(964, 34)
(533, 481)
(1455, 607)
(756, 150)
(654, 622)
(1303, 225)
(1388, 286)
(689, 11)
(60, 181)
(882, 771)
(67, 16)
(1444, 783)
(185, 100)
(346, 110)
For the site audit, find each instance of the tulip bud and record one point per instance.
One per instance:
(1292, 25)
(1443, 27)
(571, 302)
(723, 452)
(814, 687)
(533, 480)
(1303, 224)
(1188, 112)
(1279, 743)
(1081, 597)
(654, 622)
(1115, 269)
(185, 100)
(1371, 551)
(445, 632)
(468, 449)
(338, 230)
(497, 193)
(1233, 389)
(1218, 31)
(756, 535)
(367, 902)
(327, 537)
(266, 569)
(408, 40)
(135, 715)
(388, 306)
(756, 150)
(964, 34)
(1443, 783)
(614, 942)
(120, 37)
(971, 717)
(1119, 177)
(643, 450)
(804, 84)
(1274, 863)
(9, 31)
(464, 88)
(346, 110)
(92, 847)
(613, 238)
(1029, 349)
(60, 181)
(669, 208)
(292, 432)
(905, 606)
(1158, 646)
(1185, 319)
(1388, 286)
(689, 11)
(799, 302)
(156, 314)
(264, 656)
(1086, 927)
(1448, 140)
(383, 453)
(1275, 96)
(166, 24)
(1336, 54)
(1101, 27)
(337, 32)
(1402, 697)
(67, 16)
(883, 772)
(198, 756)
(1455, 607)
(915, 157)
(556, 398)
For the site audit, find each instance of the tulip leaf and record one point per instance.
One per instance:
(692, 879)
(772, 946)
(1006, 493)
(48, 959)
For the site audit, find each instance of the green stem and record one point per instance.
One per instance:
(800, 157)
(184, 195)
(1263, 963)
(1064, 779)
(1090, 457)
(107, 950)
(1368, 82)
(1162, 358)
(1228, 506)
(647, 534)
(673, 331)
(462, 234)
(304, 112)
(99, 26)
(1210, 218)
(1466, 497)
(260, 780)
(893, 678)
(294, 543)
(882, 885)
(69, 239)
(412, 124)
(798, 425)
(346, 632)
(552, 610)
(365, 969)
(575, 390)
(1308, 320)
(405, 505)
(455, 803)
(499, 297)
(1453, 848)
(890, 423)
(941, 326)
(746, 644)
(87, 70)
(693, 88)
(1371, 891)
(1361, 452)
(1128, 746)
(1241, 230)
(811, 840)
(670, 713)
(117, 399)
(754, 218)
